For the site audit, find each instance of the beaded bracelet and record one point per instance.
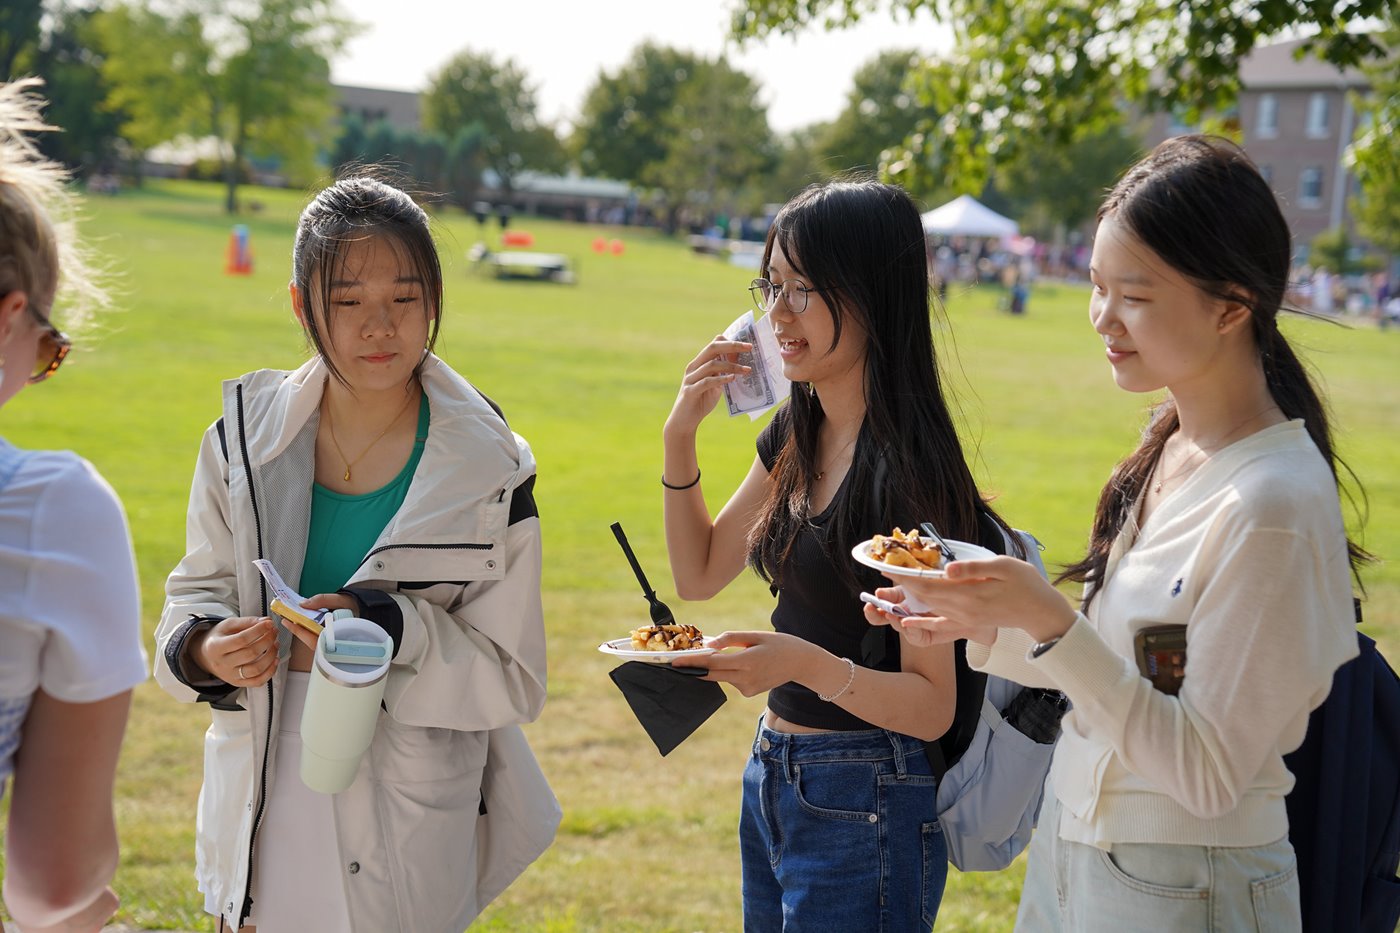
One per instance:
(850, 679)
(686, 486)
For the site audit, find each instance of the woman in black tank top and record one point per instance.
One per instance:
(838, 826)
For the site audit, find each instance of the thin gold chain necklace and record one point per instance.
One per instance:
(350, 463)
(832, 463)
(1191, 463)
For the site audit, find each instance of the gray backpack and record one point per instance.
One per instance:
(991, 775)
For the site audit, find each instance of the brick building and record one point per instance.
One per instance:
(1296, 118)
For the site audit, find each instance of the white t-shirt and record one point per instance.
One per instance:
(70, 613)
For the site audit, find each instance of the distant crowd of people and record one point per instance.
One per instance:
(1322, 291)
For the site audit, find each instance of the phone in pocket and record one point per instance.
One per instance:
(1161, 656)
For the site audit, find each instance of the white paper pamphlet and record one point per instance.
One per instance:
(290, 601)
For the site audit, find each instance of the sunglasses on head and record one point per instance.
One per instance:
(53, 347)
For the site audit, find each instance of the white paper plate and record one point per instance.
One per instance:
(964, 551)
(622, 648)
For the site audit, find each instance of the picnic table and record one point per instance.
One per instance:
(550, 267)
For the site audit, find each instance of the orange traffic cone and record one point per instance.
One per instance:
(239, 260)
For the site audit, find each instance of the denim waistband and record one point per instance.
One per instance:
(863, 745)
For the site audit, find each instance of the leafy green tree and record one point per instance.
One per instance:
(1332, 249)
(1059, 189)
(880, 113)
(718, 139)
(474, 88)
(1374, 156)
(351, 145)
(621, 127)
(383, 143)
(19, 32)
(1033, 73)
(69, 59)
(464, 160)
(798, 162)
(254, 73)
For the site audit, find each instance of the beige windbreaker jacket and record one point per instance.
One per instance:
(449, 805)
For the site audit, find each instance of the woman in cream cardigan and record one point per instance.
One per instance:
(1223, 531)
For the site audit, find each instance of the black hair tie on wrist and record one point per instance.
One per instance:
(686, 486)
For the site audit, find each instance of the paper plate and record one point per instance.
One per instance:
(622, 648)
(963, 549)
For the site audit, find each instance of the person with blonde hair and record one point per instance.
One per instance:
(70, 634)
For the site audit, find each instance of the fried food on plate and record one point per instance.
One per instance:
(666, 638)
(906, 550)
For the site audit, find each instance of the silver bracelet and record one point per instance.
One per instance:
(850, 679)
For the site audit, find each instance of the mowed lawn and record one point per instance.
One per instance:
(587, 373)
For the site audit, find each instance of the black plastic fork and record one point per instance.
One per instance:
(660, 612)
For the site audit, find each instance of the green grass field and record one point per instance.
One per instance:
(588, 373)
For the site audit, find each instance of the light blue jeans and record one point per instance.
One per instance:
(1192, 889)
(839, 832)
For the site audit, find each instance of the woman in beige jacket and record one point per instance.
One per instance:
(428, 528)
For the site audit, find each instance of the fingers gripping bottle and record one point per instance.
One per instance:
(342, 701)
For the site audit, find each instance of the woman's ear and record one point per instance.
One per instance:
(1235, 312)
(12, 307)
(298, 304)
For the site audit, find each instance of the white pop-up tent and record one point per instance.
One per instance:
(966, 216)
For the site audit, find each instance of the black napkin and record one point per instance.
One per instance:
(669, 702)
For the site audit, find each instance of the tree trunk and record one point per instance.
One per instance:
(231, 169)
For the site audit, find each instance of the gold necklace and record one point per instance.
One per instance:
(350, 463)
(823, 473)
(1190, 462)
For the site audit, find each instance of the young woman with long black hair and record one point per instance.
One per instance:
(838, 827)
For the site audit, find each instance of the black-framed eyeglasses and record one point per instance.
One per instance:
(53, 347)
(794, 293)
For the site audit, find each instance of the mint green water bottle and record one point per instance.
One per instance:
(342, 701)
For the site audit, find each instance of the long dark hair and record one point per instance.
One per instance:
(1199, 204)
(353, 209)
(860, 244)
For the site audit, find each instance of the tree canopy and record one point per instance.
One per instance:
(474, 88)
(1031, 73)
(254, 73)
(1374, 156)
(688, 126)
(880, 113)
(621, 127)
(718, 142)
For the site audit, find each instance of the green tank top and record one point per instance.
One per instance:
(344, 528)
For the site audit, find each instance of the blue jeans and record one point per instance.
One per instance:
(1139, 886)
(839, 832)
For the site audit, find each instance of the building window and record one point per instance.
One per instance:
(1310, 187)
(1317, 115)
(1267, 124)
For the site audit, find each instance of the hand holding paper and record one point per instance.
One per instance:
(765, 385)
(285, 601)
